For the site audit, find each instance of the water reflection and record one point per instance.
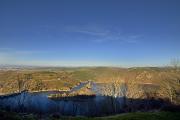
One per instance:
(77, 105)
(40, 103)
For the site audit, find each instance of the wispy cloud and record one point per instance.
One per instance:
(88, 30)
(96, 33)
(101, 34)
(120, 38)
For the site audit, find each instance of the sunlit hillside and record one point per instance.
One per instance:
(89, 59)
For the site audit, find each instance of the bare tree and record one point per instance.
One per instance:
(39, 85)
(21, 101)
(116, 86)
(167, 88)
(175, 63)
(20, 83)
(113, 89)
(133, 89)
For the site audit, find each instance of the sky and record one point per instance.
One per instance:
(122, 33)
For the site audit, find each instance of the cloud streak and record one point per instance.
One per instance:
(99, 34)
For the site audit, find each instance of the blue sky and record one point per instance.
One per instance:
(89, 32)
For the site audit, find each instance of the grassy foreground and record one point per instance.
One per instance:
(137, 116)
(128, 116)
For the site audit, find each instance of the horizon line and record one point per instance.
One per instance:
(77, 66)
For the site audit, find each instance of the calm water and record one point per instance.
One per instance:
(40, 103)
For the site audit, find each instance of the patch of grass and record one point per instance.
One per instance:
(4, 115)
(9, 116)
(83, 75)
(146, 116)
(133, 116)
(127, 116)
